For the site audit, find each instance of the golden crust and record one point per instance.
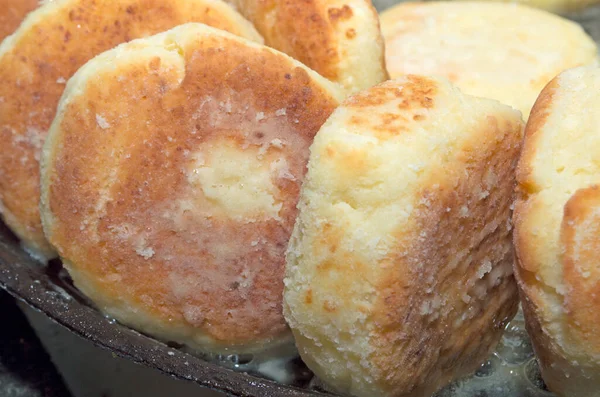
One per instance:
(153, 143)
(539, 115)
(556, 218)
(486, 48)
(579, 236)
(399, 270)
(51, 44)
(340, 39)
(12, 13)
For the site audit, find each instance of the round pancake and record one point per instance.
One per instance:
(12, 13)
(487, 49)
(557, 218)
(170, 180)
(340, 39)
(35, 63)
(399, 270)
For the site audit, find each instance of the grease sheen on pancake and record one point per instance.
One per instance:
(35, 63)
(340, 39)
(399, 270)
(506, 52)
(170, 181)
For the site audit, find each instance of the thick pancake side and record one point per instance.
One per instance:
(399, 271)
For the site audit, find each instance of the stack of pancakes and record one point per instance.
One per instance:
(241, 176)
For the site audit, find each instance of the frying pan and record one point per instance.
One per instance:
(49, 290)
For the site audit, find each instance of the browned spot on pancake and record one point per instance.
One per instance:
(155, 64)
(350, 34)
(373, 110)
(331, 237)
(390, 124)
(417, 92)
(309, 297)
(326, 266)
(420, 96)
(12, 13)
(389, 118)
(348, 163)
(423, 90)
(221, 275)
(34, 74)
(376, 96)
(358, 120)
(383, 131)
(340, 14)
(330, 151)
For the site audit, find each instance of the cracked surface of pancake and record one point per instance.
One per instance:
(340, 39)
(170, 181)
(12, 13)
(556, 231)
(36, 62)
(399, 270)
(489, 50)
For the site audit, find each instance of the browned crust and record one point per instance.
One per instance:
(33, 73)
(532, 290)
(580, 231)
(192, 278)
(537, 119)
(526, 264)
(302, 30)
(307, 30)
(418, 353)
(12, 13)
(419, 94)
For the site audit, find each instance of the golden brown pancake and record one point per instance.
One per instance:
(170, 181)
(557, 231)
(399, 271)
(35, 63)
(340, 39)
(12, 13)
